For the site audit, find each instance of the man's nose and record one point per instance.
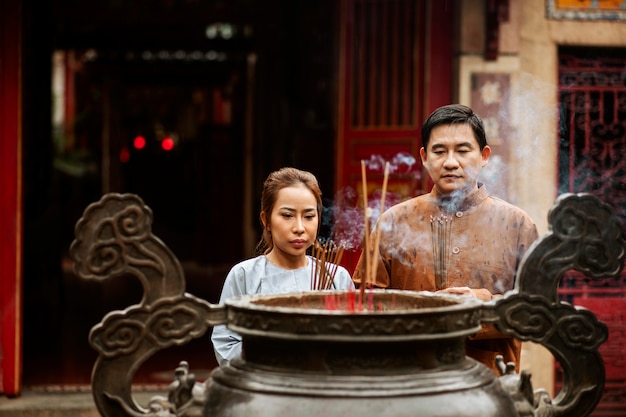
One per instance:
(451, 160)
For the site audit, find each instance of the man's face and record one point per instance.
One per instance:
(453, 158)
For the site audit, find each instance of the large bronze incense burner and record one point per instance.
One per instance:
(315, 354)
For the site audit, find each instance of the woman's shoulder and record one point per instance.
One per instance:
(249, 264)
(243, 277)
(343, 279)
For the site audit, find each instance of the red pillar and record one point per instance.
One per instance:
(10, 198)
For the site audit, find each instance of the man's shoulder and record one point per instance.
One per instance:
(498, 203)
(411, 203)
(422, 205)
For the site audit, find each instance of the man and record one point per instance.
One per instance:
(456, 239)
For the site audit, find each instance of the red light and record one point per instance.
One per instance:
(167, 144)
(139, 142)
(124, 155)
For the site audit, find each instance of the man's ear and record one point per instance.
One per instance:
(423, 155)
(486, 153)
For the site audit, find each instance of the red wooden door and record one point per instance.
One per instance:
(592, 145)
(10, 199)
(395, 67)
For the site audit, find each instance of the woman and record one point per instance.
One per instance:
(291, 208)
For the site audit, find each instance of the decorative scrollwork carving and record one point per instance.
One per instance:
(534, 318)
(582, 330)
(584, 235)
(114, 237)
(526, 317)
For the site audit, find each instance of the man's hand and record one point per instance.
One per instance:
(480, 293)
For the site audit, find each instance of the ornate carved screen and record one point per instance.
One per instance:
(592, 158)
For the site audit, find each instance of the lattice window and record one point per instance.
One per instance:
(592, 146)
(592, 159)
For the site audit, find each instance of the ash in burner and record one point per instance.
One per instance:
(351, 301)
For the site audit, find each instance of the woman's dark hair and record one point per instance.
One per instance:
(276, 181)
(451, 114)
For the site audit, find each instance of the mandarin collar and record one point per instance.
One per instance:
(452, 203)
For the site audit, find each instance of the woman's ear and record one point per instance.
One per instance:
(264, 221)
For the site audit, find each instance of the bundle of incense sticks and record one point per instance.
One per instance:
(441, 241)
(327, 256)
(371, 254)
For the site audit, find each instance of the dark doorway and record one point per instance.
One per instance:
(237, 88)
(169, 127)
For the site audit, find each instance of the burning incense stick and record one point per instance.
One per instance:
(371, 255)
(374, 259)
(367, 214)
(327, 257)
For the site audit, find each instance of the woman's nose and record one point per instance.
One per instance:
(298, 226)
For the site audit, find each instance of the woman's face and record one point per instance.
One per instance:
(293, 222)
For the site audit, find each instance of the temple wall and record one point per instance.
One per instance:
(527, 61)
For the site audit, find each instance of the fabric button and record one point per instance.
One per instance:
(456, 250)
(459, 214)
